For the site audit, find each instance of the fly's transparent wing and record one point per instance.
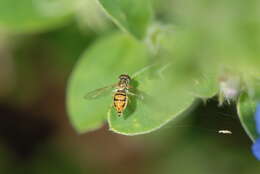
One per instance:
(141, 71)
(134, 84)
(159, 72)
(100, 92)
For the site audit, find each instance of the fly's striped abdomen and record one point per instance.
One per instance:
(120, 101)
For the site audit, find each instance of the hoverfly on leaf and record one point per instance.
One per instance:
(121, 92)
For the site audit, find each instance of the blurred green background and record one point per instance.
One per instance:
(40, 42)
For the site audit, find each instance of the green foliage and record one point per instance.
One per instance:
(184, 64)
(206, 86)
(121, 54)
(29, 16)
(158, 107)
(190, 56)
(133, 16)
(104, 62)
(246, 108)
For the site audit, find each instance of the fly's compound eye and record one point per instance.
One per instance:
(125, 77)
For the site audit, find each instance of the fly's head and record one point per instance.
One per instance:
(124, 81)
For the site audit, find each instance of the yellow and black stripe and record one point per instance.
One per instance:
(120, 101)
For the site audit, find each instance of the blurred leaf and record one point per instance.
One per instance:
(132, 16)
(91, 16)
(194, 67)
(246, 110)
(98, 67)
(34, 15)
(205, 86)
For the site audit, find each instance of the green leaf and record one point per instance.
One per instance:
(100, 66)
(246, 108)
(205, 86)
(34, 15)
(163, 100)
(157, 100)
(146, 117)
(133, 16)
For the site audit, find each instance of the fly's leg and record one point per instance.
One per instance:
(129, 87)
(131, 93)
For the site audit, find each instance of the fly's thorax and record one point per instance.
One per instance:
(122, 85)
(121, 90)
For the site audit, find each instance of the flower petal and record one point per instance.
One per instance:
(257, 118)
(256, 149)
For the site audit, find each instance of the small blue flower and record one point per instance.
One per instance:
(257, 118)
(256, 148)
(256, 145)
